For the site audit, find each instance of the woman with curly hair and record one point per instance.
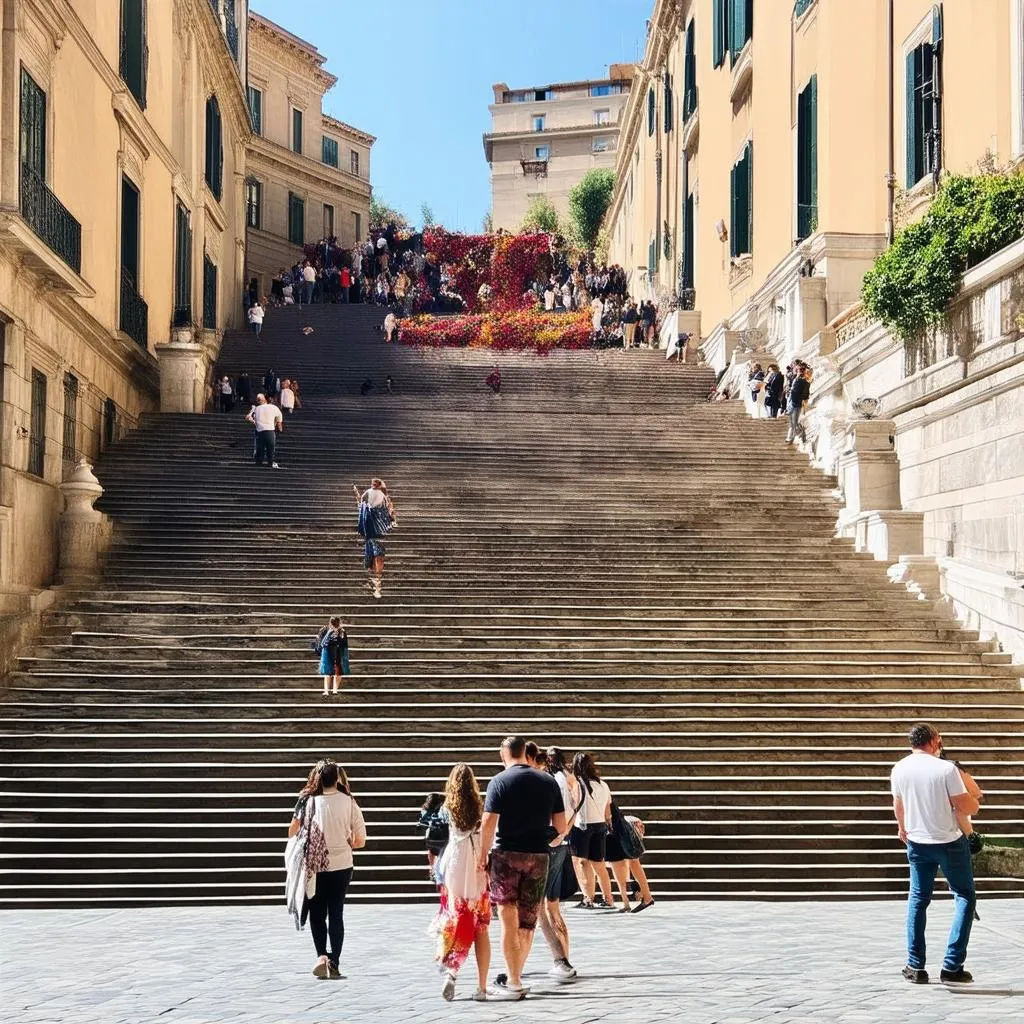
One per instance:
(465, 913)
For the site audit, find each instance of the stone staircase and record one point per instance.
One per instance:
(596, 557)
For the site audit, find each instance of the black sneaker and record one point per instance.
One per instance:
(957, 977)
(916, 975)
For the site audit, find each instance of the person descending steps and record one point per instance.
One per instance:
(376, 519)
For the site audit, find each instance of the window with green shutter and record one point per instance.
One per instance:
(688, 242)
(690, 73)
(37, 425)
(652, 111)
(742, 206)
(741, 26)
(924, 105)
(214, 168)
(296, 131)
(209, 293)
(296, 219)
(652, 256)
(255, 109)
(182, 266)
(720, 31)
(669, 117)
(33, 126)
(330, 152)
(807, 160)
(253, 203)
(134, 48)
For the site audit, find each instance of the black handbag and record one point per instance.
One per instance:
(628, 837)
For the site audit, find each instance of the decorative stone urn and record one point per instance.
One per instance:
(867, 408)
(84, 532)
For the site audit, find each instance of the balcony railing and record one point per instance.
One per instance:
(538, 168)
(134, 312)
(50, 219)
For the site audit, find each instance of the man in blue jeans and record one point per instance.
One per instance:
(928, 793)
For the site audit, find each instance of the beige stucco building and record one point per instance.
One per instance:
(123, 128)
(308, 174)
(764, 160)
(544, 139)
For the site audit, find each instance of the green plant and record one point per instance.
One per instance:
(589, 201)
(912, 283)
(381, 215)
(541, 215)
(427, 217)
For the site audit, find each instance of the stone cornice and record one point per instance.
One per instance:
(265, 154)
(569, 131)
(349, 131)
(272, 42)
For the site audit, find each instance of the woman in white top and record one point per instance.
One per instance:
(326, 806)
(256, 318)
(590, 833)
(286, 397)
(465, 914)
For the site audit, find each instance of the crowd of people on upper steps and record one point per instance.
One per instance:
(773, 392)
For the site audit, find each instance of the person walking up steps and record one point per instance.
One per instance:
(465, 914)
(928, 793)
(521, 806)
(376, 519)
(267, 421)
(332, 643)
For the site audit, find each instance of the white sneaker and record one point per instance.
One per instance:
(501, 992)
(562, 972)
(274, 465)
(480, 995)
(448, 988)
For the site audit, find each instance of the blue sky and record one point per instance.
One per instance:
(418, 75)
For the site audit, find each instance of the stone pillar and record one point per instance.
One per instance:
(869, 479)
(182, 372)
(813, 306)
(688, 322)
(84, 533)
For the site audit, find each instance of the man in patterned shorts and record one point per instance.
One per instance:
(520, 809)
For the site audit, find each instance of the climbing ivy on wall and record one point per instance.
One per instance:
(913, 282)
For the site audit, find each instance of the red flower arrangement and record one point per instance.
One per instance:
(505, 330)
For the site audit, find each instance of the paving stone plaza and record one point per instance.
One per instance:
(698, 962)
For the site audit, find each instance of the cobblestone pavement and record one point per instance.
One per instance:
(702, 963)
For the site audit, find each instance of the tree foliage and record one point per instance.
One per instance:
(381, 215)
(427, 216)
(541, 215)
(913, 282)
(589, 202)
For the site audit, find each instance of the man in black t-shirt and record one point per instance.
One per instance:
(520, 807)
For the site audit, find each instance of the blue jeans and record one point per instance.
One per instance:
(955, 860)
(306, 295)
(796, 428)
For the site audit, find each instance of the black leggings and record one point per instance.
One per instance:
(328, 904)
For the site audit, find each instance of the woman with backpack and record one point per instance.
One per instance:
(332, 645)
(465, 914)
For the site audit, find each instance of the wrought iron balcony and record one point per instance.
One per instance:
(134, 311)
(50, 219)
(538, 168)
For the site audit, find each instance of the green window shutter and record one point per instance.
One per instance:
(668, 103)
(33, 126)
(296, 219)
(130, 230)
(652, 256)
(183, 267)
(214, 147)
(651, 111)
(690, 73)
(688, 233)
(911, 119)
(297, 131)
(807, 159)
(812, 158)
(738, 34)
(718, 34)
(733, 223)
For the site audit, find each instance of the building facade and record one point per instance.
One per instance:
(308, 174)
(123, 129)
(544, 140)
(764, 162)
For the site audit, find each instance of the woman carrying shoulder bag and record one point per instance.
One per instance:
(332, 642)
(335, 828)
(590, 833)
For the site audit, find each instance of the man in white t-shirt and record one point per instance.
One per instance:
(267, 420)
(286, 398)
(308, 281)
(927, 793)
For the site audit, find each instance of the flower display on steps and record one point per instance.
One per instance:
(503, 330)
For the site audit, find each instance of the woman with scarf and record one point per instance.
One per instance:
(376, 519)
(465, 914)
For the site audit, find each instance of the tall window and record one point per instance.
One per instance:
(741, 26)
(600, 90)
(33, 127)
(688, 241)
(296, 219)
(742, 206)
(353, 162)
(214, 147)
(253, 203)
(37, 425)
(182, 266)
(329, 154)
(538, 122)
(720, 10)
(652, 111)
(602, 116)
(669, 119)
(134, 48)
(209, 293)
(69, 440)
(296, 131)
(542, 153)
(328, 221)
(255, 109)
(357, 225)
(130, 231)
(600, 145)
(924, 105)
(690, 73)
(807, 160)
(109, 423)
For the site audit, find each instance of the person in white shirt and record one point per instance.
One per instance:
(267, 420)
(549, 298)
(326, 805)
(596, 312)
(308, 281)
(226, 393)
(928, 793)
(590, 832)
(256, 318)
(287, 397)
